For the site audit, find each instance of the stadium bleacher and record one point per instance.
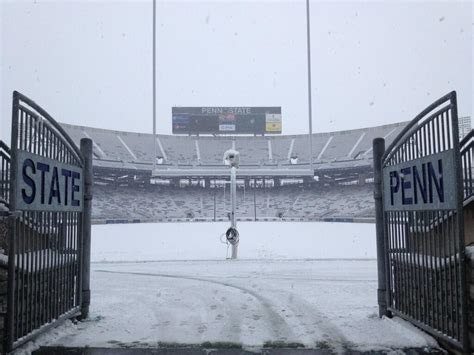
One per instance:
(132, 148)
(148, 203)
(342, 165)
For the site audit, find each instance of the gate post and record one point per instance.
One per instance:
(378, 145)
(86, 150)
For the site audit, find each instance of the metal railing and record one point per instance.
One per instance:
(467, 157)
(45, 254)
(4, 174)
(425, 247)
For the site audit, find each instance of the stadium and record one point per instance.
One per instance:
(275, 181)
(236, 177)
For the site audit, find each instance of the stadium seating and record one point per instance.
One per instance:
(162, 203)
(116, 200)
(131, 148)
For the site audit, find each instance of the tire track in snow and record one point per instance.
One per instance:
(317, 321)
(280, 328)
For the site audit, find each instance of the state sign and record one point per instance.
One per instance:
(47, 185)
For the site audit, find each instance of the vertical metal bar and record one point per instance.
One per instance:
(67, 270)
(67, 251)
(310, 108)
(425, 270)
(443, 271)
(456, 279)
(470, 154)
(73, 262)
(432, 268)
(436, 269)
(32, 254)
(435, 255)
(64, 278)
(404, 235)
(436, 225)
(396, 263)
(76, 260)
(57, 266)
(50, 266)
(86, 150)
(21, 281)
(460, 222)
(423, 237)
(451, 263)
(12, 282)
(60, 251)
(154, 85)
(411, 236)
(43, 267)
(26, 272)
(416, 253)
(29, 124)
(67, 256)
(388, 230)
(19, 135)
(36, 300)
(78, 241)
(404, 257)
(74, 256)
(378, 147)
(404, 286)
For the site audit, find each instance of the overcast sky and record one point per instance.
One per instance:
(89, 62)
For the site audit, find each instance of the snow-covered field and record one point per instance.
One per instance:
(261, 240)
(310, 283)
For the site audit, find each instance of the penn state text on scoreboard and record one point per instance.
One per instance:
(226, 120)
(47, 185)
(427, 183)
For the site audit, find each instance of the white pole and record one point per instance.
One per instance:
(233, 199)
(310, 113)
(154, 85)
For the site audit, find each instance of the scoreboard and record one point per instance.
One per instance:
(226, 120)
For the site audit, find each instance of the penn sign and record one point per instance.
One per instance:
(47, 185)
(427, 183)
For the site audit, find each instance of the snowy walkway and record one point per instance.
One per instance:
(327, 304)
(324, 304)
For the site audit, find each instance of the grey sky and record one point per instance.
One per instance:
(89, 62)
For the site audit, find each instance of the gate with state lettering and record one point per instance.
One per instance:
(50, 217)
(423, 224)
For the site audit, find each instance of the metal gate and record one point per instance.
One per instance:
(467, 156)
(423, 224)
(4, 175)
(45, 247)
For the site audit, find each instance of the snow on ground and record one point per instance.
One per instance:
(272, 294)
(258, 240)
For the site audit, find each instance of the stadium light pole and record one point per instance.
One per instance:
(310, 109)
(154, 85)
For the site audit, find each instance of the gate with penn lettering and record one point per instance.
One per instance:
(49, 219)
(423, 224)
